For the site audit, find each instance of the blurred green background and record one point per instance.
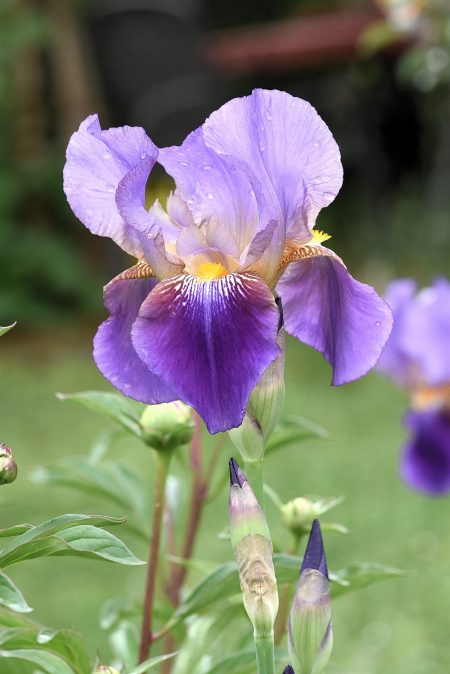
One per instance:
(380, 79)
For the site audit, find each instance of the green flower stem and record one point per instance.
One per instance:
(265, 655)
(162, 470)
(254, 473)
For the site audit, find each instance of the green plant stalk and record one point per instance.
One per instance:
(162, 471)
(254, 473)
(265, 654)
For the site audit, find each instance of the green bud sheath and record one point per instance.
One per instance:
(252, 547)
(105, 669)
(167, 425)
(8, 467)
(263, 411)
(298, 515)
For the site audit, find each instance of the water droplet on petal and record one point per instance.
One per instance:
(316, 144)
(210, 195)
(143, 155)
(185, 163)
(206, 167)
(262, 128)
(106, 155)
(262, 147)
(378, 323)
(268, 116)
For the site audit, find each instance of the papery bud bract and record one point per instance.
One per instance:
(263, 411)
(310, 631)
(167, 425)
(106, 669)
(252, 547)
(8, 467)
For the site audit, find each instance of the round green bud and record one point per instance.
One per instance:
(8, 467)
(167, 426)
(298, 515)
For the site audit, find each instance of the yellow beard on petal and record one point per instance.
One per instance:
(207, 271)
(319, 236)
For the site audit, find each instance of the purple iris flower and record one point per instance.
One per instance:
(195, 319)
(417, 356)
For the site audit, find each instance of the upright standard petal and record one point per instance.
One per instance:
(289, 149)
(214, 186)
(97, 162)
(426, 457)
(113, 351)
(329, 310)
(210, 341)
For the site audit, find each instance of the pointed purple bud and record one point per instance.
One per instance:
(288, 670)
(236, 474)
(315, 554)
(310, 631)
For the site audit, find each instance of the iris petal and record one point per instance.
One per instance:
(113, 351)
(210, 341)
(426, 458)
(97, 161)
(329, 310)
(289, 149)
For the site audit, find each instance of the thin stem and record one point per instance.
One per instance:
(254, 473)
(162, 469)
(265, 655)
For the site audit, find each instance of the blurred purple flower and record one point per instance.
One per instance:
(426, 457)
(417, 356)
(196, 319)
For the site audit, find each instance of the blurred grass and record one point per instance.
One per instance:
(400, 627)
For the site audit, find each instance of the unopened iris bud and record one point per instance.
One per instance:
(106, 669)
(252, 547)
(167, 425)
(288, 670)
(310, 631)
(298, 515)
(8, 467)
(263, 410)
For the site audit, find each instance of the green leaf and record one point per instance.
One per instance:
(152, 662)
(112, 481)
(12, 552)
(15, 530)
(11, 597)
(359, 576)
(294, 429)
(91, 541)
(222, 583)
(47, 662)
(5, 329)
(112, 406)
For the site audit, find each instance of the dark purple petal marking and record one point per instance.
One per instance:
(329, 310)
(426, 457)
(97, 162)
(315, 554)
(113, 351)
(210, 341)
